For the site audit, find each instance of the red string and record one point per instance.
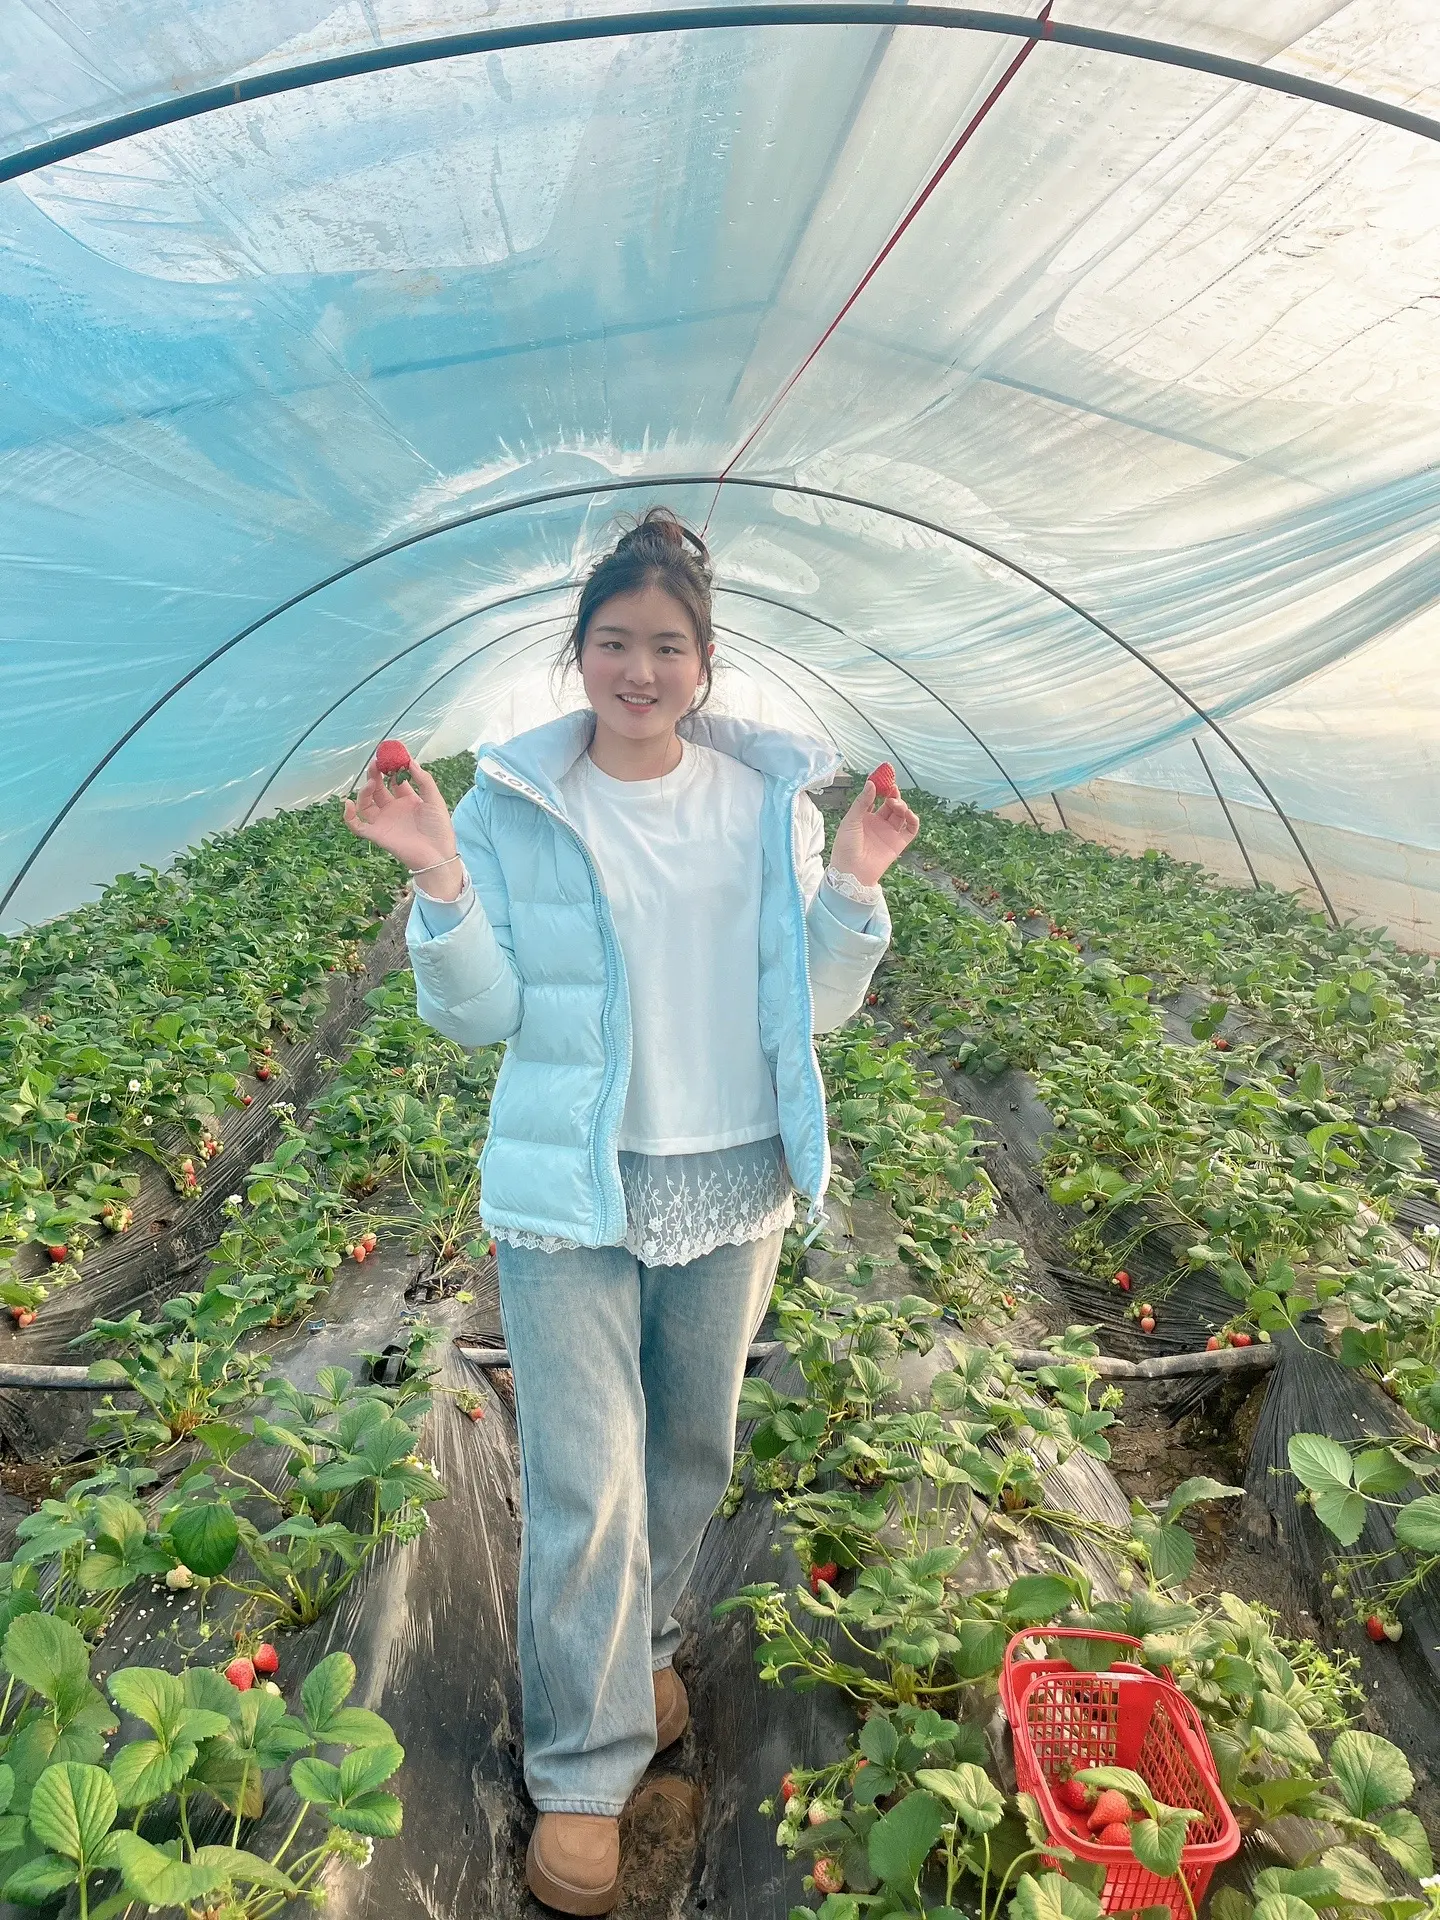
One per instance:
(884, 254)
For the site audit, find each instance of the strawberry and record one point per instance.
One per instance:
(883, 781)
(1110, 1808)
(1147, 1323)
(1220, 1044)
(262, 1072)
(1009, 916)
(828, 1573)
(1375, 1627)
(1075, 1795)
(828, 1875)
(24, 1316)
(58, 1253)
(1212, 1345)
(247, 1099)
(392, 756)
(787, 1789)
(241, 1673)
(872, 999)
(1146, 1307)
(1240, 1340)
(1117, 1834)
(1122, 1280)
(179, 1579)
(477, 1413)
(818, 1813)
(1393, 1630)
(369, 1243)
(265, 1659)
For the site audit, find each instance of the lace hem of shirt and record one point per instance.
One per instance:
(680, 1206)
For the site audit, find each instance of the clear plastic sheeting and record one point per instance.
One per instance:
(1051, 410)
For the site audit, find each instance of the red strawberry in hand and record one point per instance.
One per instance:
(392, 756)
(883, 781)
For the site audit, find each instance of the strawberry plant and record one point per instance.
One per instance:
(204, 1747)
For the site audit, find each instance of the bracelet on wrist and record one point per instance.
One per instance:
(464, 883)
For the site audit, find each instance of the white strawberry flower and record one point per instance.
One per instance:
(233, 1200)
(149, 1120)
(134, 1086)
(104, 1099)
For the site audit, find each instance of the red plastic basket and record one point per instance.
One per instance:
(1064, 1720)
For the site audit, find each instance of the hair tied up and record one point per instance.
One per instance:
(660, 550)
(662, 536)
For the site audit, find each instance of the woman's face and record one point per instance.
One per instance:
(641, 662)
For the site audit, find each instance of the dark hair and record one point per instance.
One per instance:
(659, 551)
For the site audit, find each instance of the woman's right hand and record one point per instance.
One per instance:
(412, 822)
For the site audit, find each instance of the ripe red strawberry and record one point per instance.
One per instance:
(1375, 1627)
(265, 1659)
(1147, 1323)
(883, 779)
(1075, 1795)
(1212, 1345)
(58, 1253)
(828, 1875)
(477, 1413)
(24, 1316)
(872, 999)
(247, 1099)
(1111, 1807)
(787, 1789)
(241, 1673)
(1122, 1280)
(262, 1072)
(392, 756)
(1240, 1340)
(369, 1243)
(828, 1573)
(1117, 1834)
(1220, 1044)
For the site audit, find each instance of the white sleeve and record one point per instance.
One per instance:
(843, 956)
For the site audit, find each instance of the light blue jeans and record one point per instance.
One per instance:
(627, 1380)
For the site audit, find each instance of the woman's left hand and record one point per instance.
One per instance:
(867, 841)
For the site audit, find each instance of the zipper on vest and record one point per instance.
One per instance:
(620, 1001)
(815, 1217)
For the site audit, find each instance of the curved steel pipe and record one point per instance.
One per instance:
(779, 13)
(550, 496)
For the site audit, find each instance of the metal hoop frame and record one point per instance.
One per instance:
(656, 482)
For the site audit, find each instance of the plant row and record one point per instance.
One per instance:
(221, 1478)
(1350, 993)
(129, 1026)
(890, 1510)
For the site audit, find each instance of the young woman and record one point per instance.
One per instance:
(634, 897)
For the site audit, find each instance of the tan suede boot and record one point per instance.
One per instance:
(573, 1863)
(672, 1708)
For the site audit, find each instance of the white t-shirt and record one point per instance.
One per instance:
(680, 860)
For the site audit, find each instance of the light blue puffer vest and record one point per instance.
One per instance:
(542, 969)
